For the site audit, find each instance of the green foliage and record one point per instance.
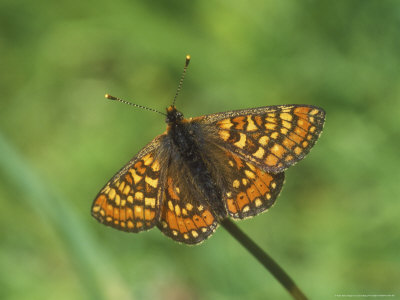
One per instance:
(334, 228)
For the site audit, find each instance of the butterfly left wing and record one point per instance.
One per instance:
(130, 200)
(273, 137)
(185, 215)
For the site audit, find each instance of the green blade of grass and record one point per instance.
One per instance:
(97, 275)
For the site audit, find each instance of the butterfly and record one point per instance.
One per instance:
(204, 169)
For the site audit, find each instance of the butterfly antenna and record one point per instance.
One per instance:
(136, 105)
(187, 61)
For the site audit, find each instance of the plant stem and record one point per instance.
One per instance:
(264, 258)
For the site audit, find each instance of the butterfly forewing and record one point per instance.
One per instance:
(272, 137)
(130, 201)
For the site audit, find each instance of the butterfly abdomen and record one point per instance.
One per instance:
(185, 137)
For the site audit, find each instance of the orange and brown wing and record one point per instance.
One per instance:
(130, 201)
(185, 215)
(248, 190)
(272, 138)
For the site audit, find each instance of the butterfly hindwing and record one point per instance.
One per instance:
(272, 137)
(130, 201)
(249, 190)
(185, 215)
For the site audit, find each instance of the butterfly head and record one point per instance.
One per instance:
(173, 115)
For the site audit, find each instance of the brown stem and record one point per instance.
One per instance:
(264, 258)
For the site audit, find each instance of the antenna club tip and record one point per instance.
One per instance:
(187, 59)
(108, 96)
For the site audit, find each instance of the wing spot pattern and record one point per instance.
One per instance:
(177, 210)
(224, 134)
(135, 176)
(249, 174)
(263, 140)
(270, 126)
(286, 117)
(242, 141)
(236, 183)
(117, 200)
(298, 150)
(112, 194)
(271, 160)
(259, 153)
(250, 124)
(239, 121)
(152, 182)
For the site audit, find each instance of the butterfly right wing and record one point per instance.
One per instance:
(272, 137)
(247, 190)
(130, 201)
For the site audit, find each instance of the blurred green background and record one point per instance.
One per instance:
(335, 226)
